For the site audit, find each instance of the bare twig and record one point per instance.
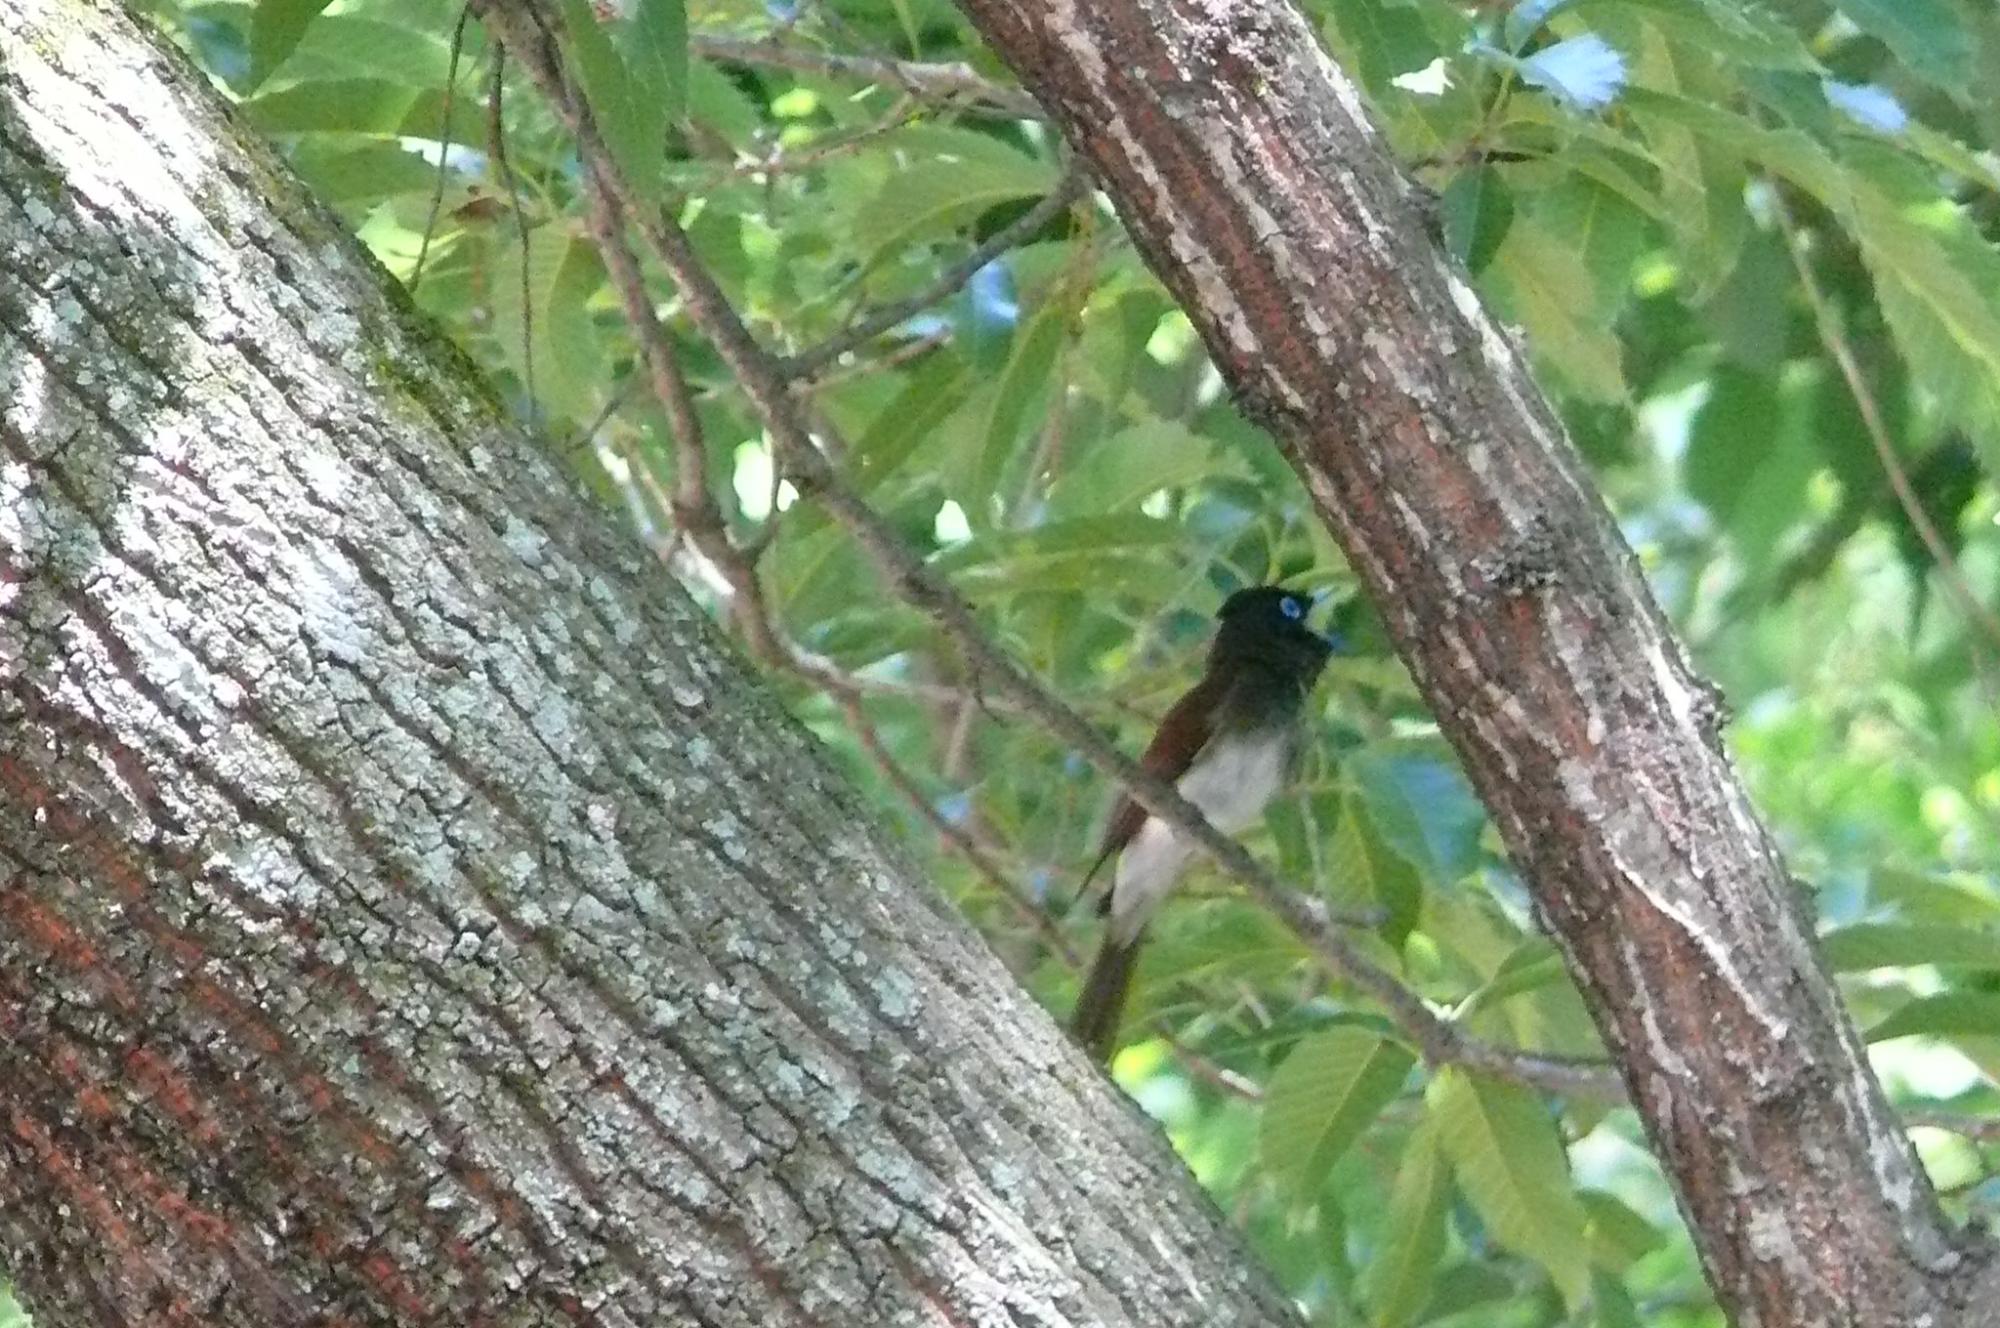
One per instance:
(1835, 340)
(954, 84)
(496, 152)
(810, 362)
(1982, 1129)
(790, 160)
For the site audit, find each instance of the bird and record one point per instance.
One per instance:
(1230, 744)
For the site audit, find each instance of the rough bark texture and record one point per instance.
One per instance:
(1245, 165)
(410, 913)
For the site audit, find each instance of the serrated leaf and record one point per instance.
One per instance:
(1422, 806)
(276, 27)
(1398, 1280)
(1951, 1014)
(1325, 1094)
(1869, 945)
(1513, 1168)
(1537, 280)
(1928, 35)
(632, 126)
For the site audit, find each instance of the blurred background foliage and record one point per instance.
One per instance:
(1751, 249)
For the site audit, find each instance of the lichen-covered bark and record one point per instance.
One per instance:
(409, 913)
(1245, 166)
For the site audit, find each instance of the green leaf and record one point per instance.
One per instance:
(355, 46)
(1618, 1236)
(563, 273)
(716, 102)
(1023, 387)
(1604, 231)
(1423, 807)
(1386, 39)
(1477, 210)
(1545, 286)
(932, 199)
(1397, 1281)
(1329, 1090)
(1869, 945)
(1928, 35)
(276, 26)
(1534, 964)
(1746, 34)
(632, 125)
(346, 105)
(933, 392)
(1511, 1164)
(1363, 871)
(659, 41)
(1611, 1304)
(1747, 461)
(1136, 462)
(1954, 1013)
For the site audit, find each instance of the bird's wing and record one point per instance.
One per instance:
(1182, 734)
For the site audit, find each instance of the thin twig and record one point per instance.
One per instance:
(1835, 340)
(809, 362)
(790, 160)
(1982, 1129)
(496, 151)
(444, 144)
(954, 84)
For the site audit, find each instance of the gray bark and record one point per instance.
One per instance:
(409, 911)
(1246, 168)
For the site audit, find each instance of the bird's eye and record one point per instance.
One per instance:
(1291, 608)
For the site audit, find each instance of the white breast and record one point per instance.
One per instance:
(1232, 783)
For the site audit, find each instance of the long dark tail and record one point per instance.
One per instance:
(1094, 1022)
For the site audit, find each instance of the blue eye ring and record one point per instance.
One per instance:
(1292, 608)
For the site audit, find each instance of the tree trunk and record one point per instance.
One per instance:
(411, 913)
(1246, 168)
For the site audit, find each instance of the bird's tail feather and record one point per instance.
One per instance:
(1099, 1008)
